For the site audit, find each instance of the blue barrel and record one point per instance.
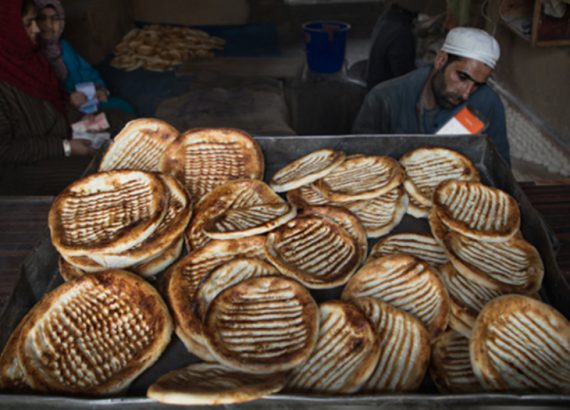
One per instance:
(325, 43)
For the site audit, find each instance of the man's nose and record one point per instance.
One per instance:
(468, 88)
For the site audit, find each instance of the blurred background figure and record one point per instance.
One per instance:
(393, 46)
(37, 156)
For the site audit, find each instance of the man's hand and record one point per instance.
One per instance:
(81, 147)
(77, 99)
(102, 94)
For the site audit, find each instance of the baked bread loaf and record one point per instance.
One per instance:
(314, 250)
(521, 345)
(467, 298)
(405, 283)
(182, 279)
(361, 177)
(205, 158)
(227, 275)
(306, 169)
(94, 335)
(513, 266)
(238, 208)
(404, 348)
(381, 214)
(213, 384)
(107, 212)
(139, 145)
(421, 245)
(262, 325)
(345, 355)
(347, 220)
(450, 367)
(477, 211)
(427, 167)
(249, 207)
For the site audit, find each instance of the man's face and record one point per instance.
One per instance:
(50, 23)
(30, 25)
(454, 83)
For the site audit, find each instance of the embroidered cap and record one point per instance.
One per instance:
(472, 43)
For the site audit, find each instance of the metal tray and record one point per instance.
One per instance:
(39, 275)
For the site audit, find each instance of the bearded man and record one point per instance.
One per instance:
(422, 101)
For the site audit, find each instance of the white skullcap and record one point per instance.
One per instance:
(472, 43)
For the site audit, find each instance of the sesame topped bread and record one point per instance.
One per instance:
(477, 211)
(426, 167)
(306, 169)
(205, 158)
(139, 145)
(361, 177)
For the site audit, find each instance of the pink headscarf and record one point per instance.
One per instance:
(51, 49)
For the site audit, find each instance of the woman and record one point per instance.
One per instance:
(70, 67)
(36, 155)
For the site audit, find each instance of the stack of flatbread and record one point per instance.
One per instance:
(478, 227)
(120, 219)
(240, 297)
(426, 168)
(368, 186)
(159, 48)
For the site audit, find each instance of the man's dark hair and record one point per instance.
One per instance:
(450, 59)
(27, 5)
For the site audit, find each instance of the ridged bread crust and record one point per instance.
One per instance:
(182, 279)
(404, 348)
(262, 325)
(94, 335)
(450, 367)
(345, 355)
(405, 283)
(246, 206)
(361, 177)
(477, 211)
(139, 145)
(521, 345)
(421, 245)
(107, 212)
(211, 384)
(205, 158)
(306, 169)
(314, 250)
(426, 167)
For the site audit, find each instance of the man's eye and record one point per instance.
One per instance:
(463, 77)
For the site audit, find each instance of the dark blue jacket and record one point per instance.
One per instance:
(393, 107)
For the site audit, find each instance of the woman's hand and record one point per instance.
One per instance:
(77, 99)
(102, 94)
(81, 147)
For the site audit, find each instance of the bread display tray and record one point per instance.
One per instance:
(39, 275)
